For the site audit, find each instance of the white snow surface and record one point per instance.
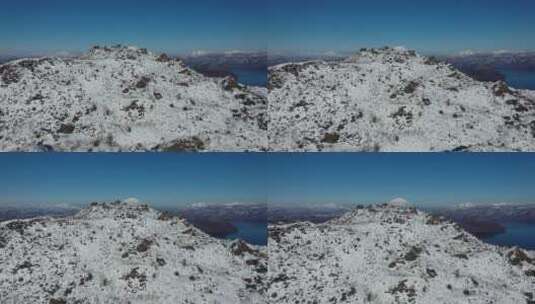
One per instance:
(125, 99)
(394, 100)
(385, 254)
(399, 202)
(125, 252)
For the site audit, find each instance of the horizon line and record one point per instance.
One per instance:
(193, 52)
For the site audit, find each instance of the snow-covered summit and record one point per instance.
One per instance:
(125, 99)
(118, 209)
(393, 99)
(386, 54)
(125, 252)
(118, 52)
(384, 254)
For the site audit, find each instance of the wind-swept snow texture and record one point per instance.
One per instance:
(125, 99)
(392, 99)
(125, 253)
(387, 254)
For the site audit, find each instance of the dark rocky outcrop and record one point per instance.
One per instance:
(66, 128)
(192, 144)
(331, 138)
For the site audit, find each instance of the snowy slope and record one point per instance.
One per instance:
(392, 99)
(124, 253)
(388, 254)
(125, 98)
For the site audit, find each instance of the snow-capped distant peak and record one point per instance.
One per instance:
(230, 204)
(132, 201)
(500, 52)
(466, 205)
(199, 205)
(233, 52)
(197, 53)
(501, 204)
(400, 48)
(467, 53)
(399, 202)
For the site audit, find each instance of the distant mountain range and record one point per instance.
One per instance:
(4, 59)
(217, 219)
(280, 58)
(27, 211)
(214, 219)
(480, 66)
(247, 67)
(481, 220)
(503, 213)
(505, 59)
(488, 66)
(206, 61)
(227, 60)
(485, 220)
(279, 213)
(250, 212)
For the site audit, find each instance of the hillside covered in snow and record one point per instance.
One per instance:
(392, 99)
(125, 252)
(125, 99)
(393, 254)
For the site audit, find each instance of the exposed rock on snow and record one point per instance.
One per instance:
(125, 98)
(386, 254)
(125, 252)
(394, 100)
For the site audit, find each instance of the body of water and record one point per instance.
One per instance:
(521, 235)
(519, 79)
(251, 76)
(252, 233)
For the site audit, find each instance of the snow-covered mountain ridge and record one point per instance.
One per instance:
(392, 99)
(389, 254)
(125, 253)
(125, 99)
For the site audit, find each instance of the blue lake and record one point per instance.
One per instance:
(251, 76)
(252, 233)
(519, 79)
(521, 235)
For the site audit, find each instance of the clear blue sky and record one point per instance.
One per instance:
(167, 25)
(430, 26)
(161, 179)
(428, 180)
